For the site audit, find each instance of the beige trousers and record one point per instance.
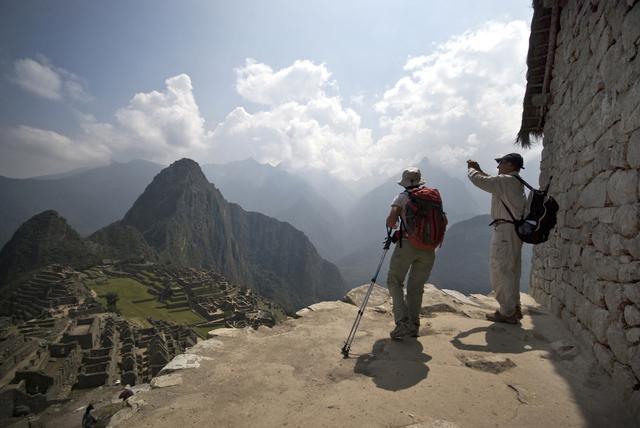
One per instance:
(407, 308)
(505, 265)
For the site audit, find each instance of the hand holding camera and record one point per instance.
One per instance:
(473, 164)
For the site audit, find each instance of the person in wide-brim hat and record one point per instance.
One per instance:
(411, 177)
(407, 258)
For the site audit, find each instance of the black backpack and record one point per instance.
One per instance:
(540, 219)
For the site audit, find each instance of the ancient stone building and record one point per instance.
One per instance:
(583, 95)
(85, 331)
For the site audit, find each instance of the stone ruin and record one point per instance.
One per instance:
(55, 336)
(103, 349)
(75, 346)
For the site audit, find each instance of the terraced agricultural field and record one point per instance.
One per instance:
(136, 304)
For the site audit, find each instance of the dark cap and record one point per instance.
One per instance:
(514, 158)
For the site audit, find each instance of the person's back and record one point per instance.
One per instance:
(409, 256)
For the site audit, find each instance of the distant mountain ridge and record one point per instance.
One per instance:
(351, 238)
(88, 199)
(183, 219)
(367, 230)
(463, 261)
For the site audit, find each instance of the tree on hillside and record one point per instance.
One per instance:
(112, 301)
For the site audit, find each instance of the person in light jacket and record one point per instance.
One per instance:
(506, 246)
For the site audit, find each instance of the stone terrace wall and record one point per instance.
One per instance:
(588, 273)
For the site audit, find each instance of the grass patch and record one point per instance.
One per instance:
(202, 331)
(136, 304)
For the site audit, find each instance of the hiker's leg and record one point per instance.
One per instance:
(398, 267)
(502, 269)
(418, 275)
(516, 263)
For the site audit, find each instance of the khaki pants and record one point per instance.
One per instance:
(420, 262)
(505, 265)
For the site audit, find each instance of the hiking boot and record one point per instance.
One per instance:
(402, 329)
(414, 330)
(498, 317)
(519, 311)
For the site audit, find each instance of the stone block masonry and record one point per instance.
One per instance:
(588, 272)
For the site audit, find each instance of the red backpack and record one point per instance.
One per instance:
(426, 221)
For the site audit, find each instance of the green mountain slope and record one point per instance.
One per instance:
(187, 221)
(44, 239)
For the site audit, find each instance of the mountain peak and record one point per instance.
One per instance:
(186, 171)
(43, 239)
(173, 191)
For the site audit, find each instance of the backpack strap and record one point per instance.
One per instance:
(521, 180)
(513, 219)
(403, 228)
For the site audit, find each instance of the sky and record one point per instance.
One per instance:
(353, 88)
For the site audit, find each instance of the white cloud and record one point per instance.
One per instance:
(163, 125)
(465, 95)
(304, 125)
(462, 99)
(357, 100)
(39, 77)
(301, 82)
(29, 151)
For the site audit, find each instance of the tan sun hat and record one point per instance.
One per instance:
(411, 177)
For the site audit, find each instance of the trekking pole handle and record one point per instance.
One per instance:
(388, 240)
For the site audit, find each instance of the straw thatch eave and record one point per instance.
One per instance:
(542, 44)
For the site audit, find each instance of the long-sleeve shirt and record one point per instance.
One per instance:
(503, 188)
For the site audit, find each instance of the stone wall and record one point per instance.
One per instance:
(588, 273)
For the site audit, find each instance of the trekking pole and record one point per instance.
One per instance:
(363, 305)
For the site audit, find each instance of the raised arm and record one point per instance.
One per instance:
(484, 181)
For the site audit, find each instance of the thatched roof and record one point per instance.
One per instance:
(542, 45)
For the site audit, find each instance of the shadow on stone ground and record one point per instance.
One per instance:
(557, 346)
(394, 365)
(507, 339)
